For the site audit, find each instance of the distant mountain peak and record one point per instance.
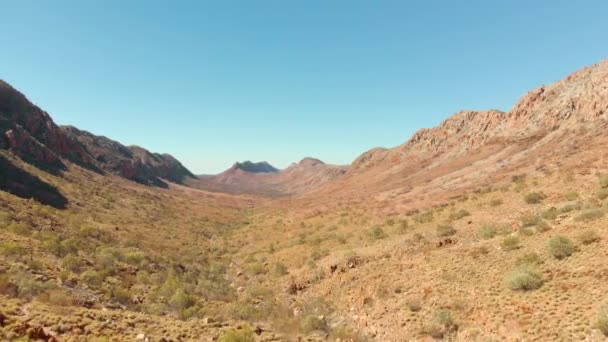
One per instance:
(259, 167)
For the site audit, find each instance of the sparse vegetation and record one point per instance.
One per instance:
(602, 320)
(590, 215)
(588, 237)
(535, 197)
(525, 278)
(510, 243)
(377, 233)
(237, 335)
(457, 215)
(561, 247)
(445, 230)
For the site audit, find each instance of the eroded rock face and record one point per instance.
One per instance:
(576, 102)
(131, 162)
(30, 133)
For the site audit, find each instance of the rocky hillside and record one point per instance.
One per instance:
(29, 133)
(131, 162)
(266, 180)
(470, 148)
(248, 166)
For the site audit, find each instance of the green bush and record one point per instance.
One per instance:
(444, 317)
(445, 230)
(181, 300)
(510, 243)
(571, 195)
(120, 295)
(530, 259)
(459, 214)
(602, 320)
(524, 278)
(588, 237)
(496, 202)
(602, 194)
(550, 214)
(570, 207)
(590, 215)
(12, 249)
(488, 231)
(534, 197)
(20, 228)
(530, 220)
(312, 323)
(73, 263)
(561, 247)
(280, 269)
(237, 335)
(256, 268)
(377, 233)
(93, 278)
(603, 180)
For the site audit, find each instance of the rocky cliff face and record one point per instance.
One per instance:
(578, 101)
(131, 162)
(30, 133)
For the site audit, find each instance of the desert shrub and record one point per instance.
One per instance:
(120, 295)
(426, 217)
(534, 197)
(530, 220)
(588, 237)
(570, 207)
(571, 195)
(402, 227)
(526, 231)
(590, 215)
(510, 243)
(603, 180)
(488, 231)
(445, 230)
(256, 268)
(377, 233)
(57, 297)
(444, 317)
(181, 300)
(134, 257)
(443, 323)
(20, 228)
(28, 287)
(280, 269)
(561, 247)
(496, 202)
(602, 320)
(237, 335)
(73, 263)
(542, 226)
(459, 214)
(93, 278)
(531, 259)
(525, 278)
(550, 214)
(59, 247)
(312, 323)
(5, 219)
(12, 249)
(602, 194)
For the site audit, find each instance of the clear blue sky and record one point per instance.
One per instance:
(213, 82)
